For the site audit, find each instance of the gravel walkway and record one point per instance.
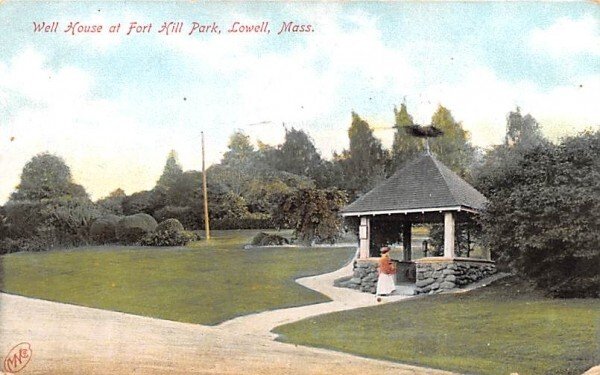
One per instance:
(342, 299)
(67, 339)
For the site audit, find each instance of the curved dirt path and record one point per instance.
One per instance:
(342, 299)
(69, 339)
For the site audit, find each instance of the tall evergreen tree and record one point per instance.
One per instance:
(239, 165)
(171, 172)
(453, 148)
(363, 164)
(405, 147)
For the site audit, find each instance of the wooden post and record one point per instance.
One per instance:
(205, 193)
(407, 240)
(449, 235)
(468, 242)
(364, 236)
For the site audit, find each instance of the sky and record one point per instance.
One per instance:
(113, 105)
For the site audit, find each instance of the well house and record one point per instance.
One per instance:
(422, 191)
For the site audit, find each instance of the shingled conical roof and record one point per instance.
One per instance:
(423, 184)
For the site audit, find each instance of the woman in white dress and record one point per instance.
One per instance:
(387, 271)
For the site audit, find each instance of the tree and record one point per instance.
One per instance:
(239, 166)
(187, 190)
(184, 201)
(138, 202)
(113, 203)
(48, 209)
(46, 176)
(171, 172)
(405, 147)
(240, 150)
(262, 192)
(522, 131)
(453, 148)
(297, 154)
(363, 164)
(543, 218)
(312, 213)
(3, 225)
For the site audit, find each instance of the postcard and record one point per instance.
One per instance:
(299, 187)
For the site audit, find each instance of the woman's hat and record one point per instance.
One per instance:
(384, 250)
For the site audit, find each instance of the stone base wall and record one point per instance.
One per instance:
(366, 274)
(435, 275)
(364, 277)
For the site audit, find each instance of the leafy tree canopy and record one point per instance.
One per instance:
(297, 154)
(240, 150)
(522, 131)
(312, 213)
(543, 219)
(47, 176)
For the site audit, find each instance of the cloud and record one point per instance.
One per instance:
(310, 83)
(318, 78)
(481, 102)
(53, 110)
(568, 36)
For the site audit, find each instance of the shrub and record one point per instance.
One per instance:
(274, 240)
(166, 238)
(193, 218)
(251, 222)
(57, 222)
(257, 239)
(70, 218)
(168, 233)
(131, 229)
(193, 235)
(186, 216)
(170, 225)
(23, 218)
(104, 229)
(266, 239)
(41, 242)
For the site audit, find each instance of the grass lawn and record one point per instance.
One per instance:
(502, 329)
(207, 282)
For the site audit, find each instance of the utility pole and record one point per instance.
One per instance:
(205, 193)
